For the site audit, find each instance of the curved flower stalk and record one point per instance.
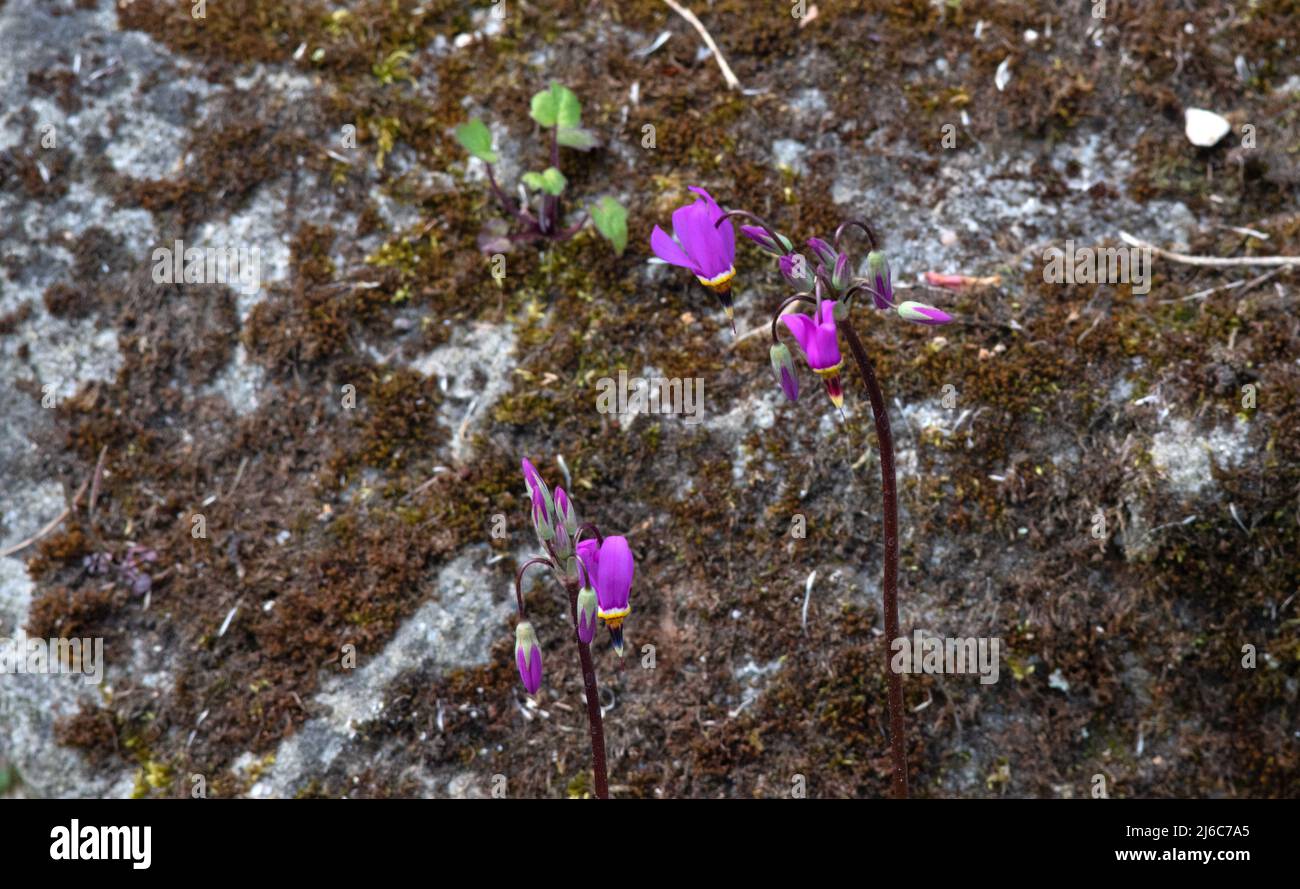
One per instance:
(597, 577)
(823, 277)
(536, 215)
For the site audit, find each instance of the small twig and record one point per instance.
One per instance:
(54, 523)
(1245, 285)
(94, 486)
(807, 595)
(727, 74)
(1187, 259)
(239, 474)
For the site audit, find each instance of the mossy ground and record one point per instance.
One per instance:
(362, 545)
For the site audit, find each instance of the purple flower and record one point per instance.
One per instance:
(701, 245)
(528, 657)
(609, 569)
(816, 336)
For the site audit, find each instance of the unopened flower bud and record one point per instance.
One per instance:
(783, 365)
(923, 314)
(528, 656)
(795, 270)
(760, 236)
(565, 514)
(824, 252)
(878, 271)
(841, 272)
(587, 615)
(563, 542)
(542, 518)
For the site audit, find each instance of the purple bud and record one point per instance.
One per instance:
(565, 514)
(840, 274)
(783, 365)
(759, 236)
(533, 479)
(923, 314)
(824, 252)
(878, 269)
(587, 615)
(563, 542)
(542, 519)
(528, 657)
(794, 268)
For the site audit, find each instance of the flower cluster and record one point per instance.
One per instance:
(704, 242)
(597, 574)
(825, 278)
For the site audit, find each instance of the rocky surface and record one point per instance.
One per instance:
(348, 431)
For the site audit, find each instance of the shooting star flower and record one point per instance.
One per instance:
(610, 567)
(816, 335)
(700, 244)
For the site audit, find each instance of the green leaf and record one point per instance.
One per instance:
(475, 138)
(543, 108)
(610, 219)
(568, 108)
(556, 106)
(551, 181)
(577, 137)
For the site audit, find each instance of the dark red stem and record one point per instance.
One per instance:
(889, 494)
(594, 721)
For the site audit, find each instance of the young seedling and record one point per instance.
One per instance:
(536, 214)
(825, 281)
(597, 578)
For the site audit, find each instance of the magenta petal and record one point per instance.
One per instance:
(694, 230)
(706, 245)
(535, 669)
(726, 240)
(530, 473)
(529, 661)
(589, 555)
(817, 338)
(801, 326)
(790, 383)
(668, 250)
(614, 574)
